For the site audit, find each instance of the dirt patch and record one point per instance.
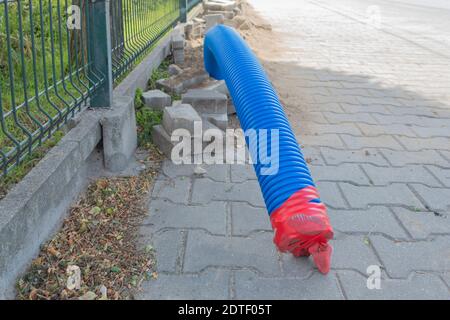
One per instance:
(94, 255)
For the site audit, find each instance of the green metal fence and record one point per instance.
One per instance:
(136, 26)
(54, 61)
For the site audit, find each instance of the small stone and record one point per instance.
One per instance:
(156, 99)
(74, 277)
(104, 292)
(174, 70)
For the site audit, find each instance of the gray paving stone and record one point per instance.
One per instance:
(156, 99)
(394, 194)
(446, 155)
(214, 172)
(411, 120)
(206, 101)
(435, 198)
(300, 267)
(318, 287)
(162, 140)
(241, 172)
(178, 41)
(417, 144)
(379, 101)
(427, 132)
(385, 176)
(313, 156)
(338, 99)
(325, 140)
(310, 117)
(174, 70)
(401, 258)
(213, 20)
(205, 190)
(409, 111)
(446, 277)
(376, 130)
(418, 287)
(368, 155)
(358, 108)
(330, 195)
(167, 246)
(181, 116)
(222, 5)
(382, 141)
(257, 251)
(344, 172)
(316, 128)
(210, 284)
(246, 219)
(402, 158)
(219, 120)
(177, 189)
(442, 175)
(373, 220)
(352, 252)
(422, 224)
(338, 118)
(164, 214)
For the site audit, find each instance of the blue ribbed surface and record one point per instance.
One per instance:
(228, 57)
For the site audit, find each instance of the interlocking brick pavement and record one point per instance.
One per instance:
(375, 126)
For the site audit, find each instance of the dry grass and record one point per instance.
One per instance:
(99, 236)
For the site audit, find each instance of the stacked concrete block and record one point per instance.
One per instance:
(178, 43)
(221, 87)
(224, 7)
(174, 70)
(177, 86)
(219, 120)
(179, 116)
(210, 104)
(207, 108)
(170, 85)
(156, 99)
(195, 29)
(206, 101)
(213, 19)
(219, 5)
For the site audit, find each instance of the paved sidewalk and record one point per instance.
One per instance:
(372, 110)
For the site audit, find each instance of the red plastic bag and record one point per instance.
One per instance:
(303, 228)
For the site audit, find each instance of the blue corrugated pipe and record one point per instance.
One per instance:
(229, 58)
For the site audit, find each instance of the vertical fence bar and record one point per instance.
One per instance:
(100, 51)
(183, 10)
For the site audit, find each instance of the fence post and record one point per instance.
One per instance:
(100, 51)
(183, 10)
